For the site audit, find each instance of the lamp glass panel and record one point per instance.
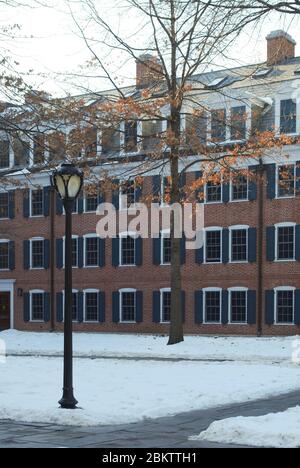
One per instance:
(74, 186)
(60, 186)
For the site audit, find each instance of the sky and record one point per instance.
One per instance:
(50, 47)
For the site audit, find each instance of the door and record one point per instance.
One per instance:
(4, 311)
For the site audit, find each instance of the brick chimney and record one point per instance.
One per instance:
(148, 71)
(281, 46)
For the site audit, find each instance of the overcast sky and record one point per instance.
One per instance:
(49, 44)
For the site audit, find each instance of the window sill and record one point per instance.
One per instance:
(128, 322)
(211, 323)
(238, 262)
(90, 266)
(130, 266)
(37, 321)
(237, 323)
(4, 269)
(288, 197)
(4, 219)
(165, 264)
(37, 268)
(289, 260)
(37, 216)
(285, 324)
(212, 263)
(91, 321)
(213, 202)
(239, 201)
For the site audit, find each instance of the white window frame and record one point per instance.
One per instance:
(84, 205)
(213, 202)
(126, 290)
(164, 233)
(213, 228)
(5, 241)
(284, 97)
(231, 191)
(247, 123)
(88, 236)
(10, 153)
(288, 163)
(280, 225)
(162, 291)
(276, 290)
(85, 292)
(122, 206)
(211, 289)
(33, 239)
(237, 289)
(234, 228)
(30, 203)
(63, 298)
(121, 236)
(74, 236)
(35, 291)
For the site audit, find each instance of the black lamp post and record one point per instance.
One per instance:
(68, 180)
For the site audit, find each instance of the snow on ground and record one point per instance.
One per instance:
(277, 430)
(249, 349)
(112, 391)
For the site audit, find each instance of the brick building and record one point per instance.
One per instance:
(245, 279)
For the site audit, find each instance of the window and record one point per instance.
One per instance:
(127, 304)
(91, 306)
(165, 305)
(217, 82)
(285, 242)
(21, 152)
(165, 248)
(239, 245)
(37, 253)
(213, 246)
(284, 306)
(213, 192)
(288, 115)
(239, 188)
(91, 202)
(37, 203)
(39, 149)
(4, 154)
(37, 306)
(130, 136)
(127, 250)
(127, 194)
(261, 72)
(286, 181)
(238, 123)
(238, 306)
(218, 125)
(4, 255)
(151, 134)
(212, 306)
(91, 251)
(4, 205)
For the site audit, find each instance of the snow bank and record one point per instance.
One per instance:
(249, 349)
(120, 391)
(277, 430)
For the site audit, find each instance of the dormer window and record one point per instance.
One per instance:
(262, 72)
(217, 82)
(288, 114)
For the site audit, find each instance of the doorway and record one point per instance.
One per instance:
(4, 310)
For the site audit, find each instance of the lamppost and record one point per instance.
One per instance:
(68, 180)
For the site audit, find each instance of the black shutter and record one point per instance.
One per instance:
(199, 255)
(46, 200)
(80, 203)
(199, 306)
(26, 307)
(11, 255)
(47, 312)
(270, 243)
(80, 306)
(225, 314)
(252, 195)
(138, 250)
(59, 253)
(269, 307)
(26, 203)
(59, 205)
(59, 307)
(226, 191)
(116, 307)
(46, 253)
(101, 306)
(156, 188)
(156, 246)
(183, 305)
(271, 177)
(101, 252)
(182, 249)
(116, 194)
(80, 241)
(11, 204)
(297, 242)
(115, 251)
(298, 178)
(156, 306)
(26, 254)
(139, 306)
(297, 307)
(225, 245)
(199, 192)
(251, 307)
(252, 245)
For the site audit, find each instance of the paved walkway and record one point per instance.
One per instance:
(165, 432)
